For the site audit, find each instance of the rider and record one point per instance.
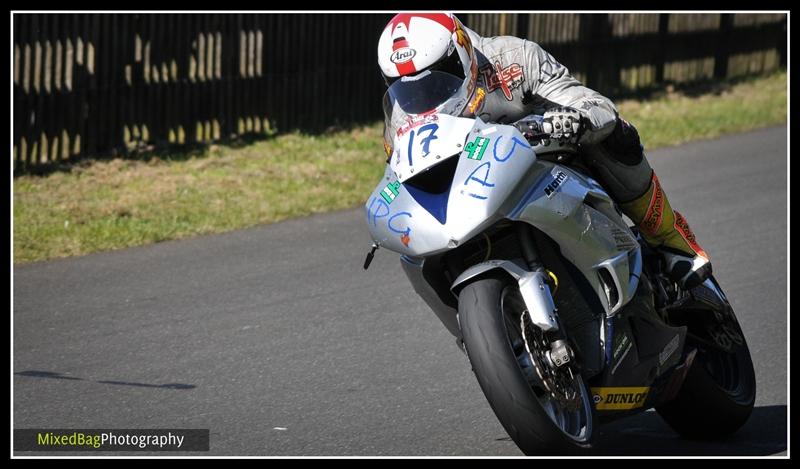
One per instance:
(506, 78)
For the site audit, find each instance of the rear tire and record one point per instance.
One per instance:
(488, 342)
(719, 392)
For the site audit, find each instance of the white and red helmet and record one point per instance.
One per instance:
(413, 43)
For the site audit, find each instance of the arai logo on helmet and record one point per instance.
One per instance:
(402, 55)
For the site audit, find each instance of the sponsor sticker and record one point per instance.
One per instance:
(688, 235)
(476, 101)
(619, 398)
(505, 78)
(390, 191)
(416, 121)
(669, 349)
(619, 362)
(621, 349)
(620, 345)
(655, 210)
(402, 55)
(590, 103)
(476, 148)
(623, 240)
(558, 179)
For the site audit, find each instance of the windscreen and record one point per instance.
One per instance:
(409, 97)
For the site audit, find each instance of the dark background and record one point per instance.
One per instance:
(88, 85)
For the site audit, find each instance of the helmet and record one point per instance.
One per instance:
(415, 43)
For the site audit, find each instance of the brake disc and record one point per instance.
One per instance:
(558, 382)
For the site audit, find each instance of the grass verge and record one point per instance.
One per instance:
(112, 204)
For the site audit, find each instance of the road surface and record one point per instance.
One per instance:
(276, 340)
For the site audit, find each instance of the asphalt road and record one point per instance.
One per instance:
(276, 340)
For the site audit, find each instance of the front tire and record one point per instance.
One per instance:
(490, 310)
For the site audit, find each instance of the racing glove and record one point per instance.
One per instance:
(563, 124)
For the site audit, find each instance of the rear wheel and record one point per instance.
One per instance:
(719, 392)
(545, 410)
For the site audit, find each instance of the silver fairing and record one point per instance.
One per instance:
(499, 177)
(583, 220)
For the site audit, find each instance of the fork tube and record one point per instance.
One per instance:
(527, 243)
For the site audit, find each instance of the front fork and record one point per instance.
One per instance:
(560, 352)
(535, 288)
(527, 243)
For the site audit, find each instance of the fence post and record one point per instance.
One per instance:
(723, 39)
(782, 43)
(596, 33)
(523, 20)
(661, 57)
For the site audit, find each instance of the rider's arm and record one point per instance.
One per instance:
(553, 83)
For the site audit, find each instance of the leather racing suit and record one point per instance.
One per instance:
(518, 77)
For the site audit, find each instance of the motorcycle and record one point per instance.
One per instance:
(565, 314)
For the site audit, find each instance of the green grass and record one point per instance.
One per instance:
(676, 118)
(111, 204)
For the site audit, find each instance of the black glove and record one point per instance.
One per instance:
(563, 124)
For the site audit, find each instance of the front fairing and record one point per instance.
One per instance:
(492, 162)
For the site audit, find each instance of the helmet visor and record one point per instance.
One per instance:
(420, 93)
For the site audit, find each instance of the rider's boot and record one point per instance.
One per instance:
(667, 231)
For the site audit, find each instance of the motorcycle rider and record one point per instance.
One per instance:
(505, 79)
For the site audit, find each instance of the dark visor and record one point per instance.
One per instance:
(421, 93)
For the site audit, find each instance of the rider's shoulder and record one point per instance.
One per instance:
(497, 45)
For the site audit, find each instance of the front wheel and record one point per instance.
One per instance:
(544, 410)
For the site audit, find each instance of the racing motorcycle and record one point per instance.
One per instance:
(567, 317)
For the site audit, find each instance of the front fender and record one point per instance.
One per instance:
(532, 285)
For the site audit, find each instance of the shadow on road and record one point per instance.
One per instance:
(648, 435)
(54, 375)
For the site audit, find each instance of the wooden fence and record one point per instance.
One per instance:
(103, 84)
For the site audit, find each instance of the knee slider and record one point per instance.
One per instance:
(624, 143)
(625, 180)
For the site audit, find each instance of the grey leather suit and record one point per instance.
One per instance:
(521, 78)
